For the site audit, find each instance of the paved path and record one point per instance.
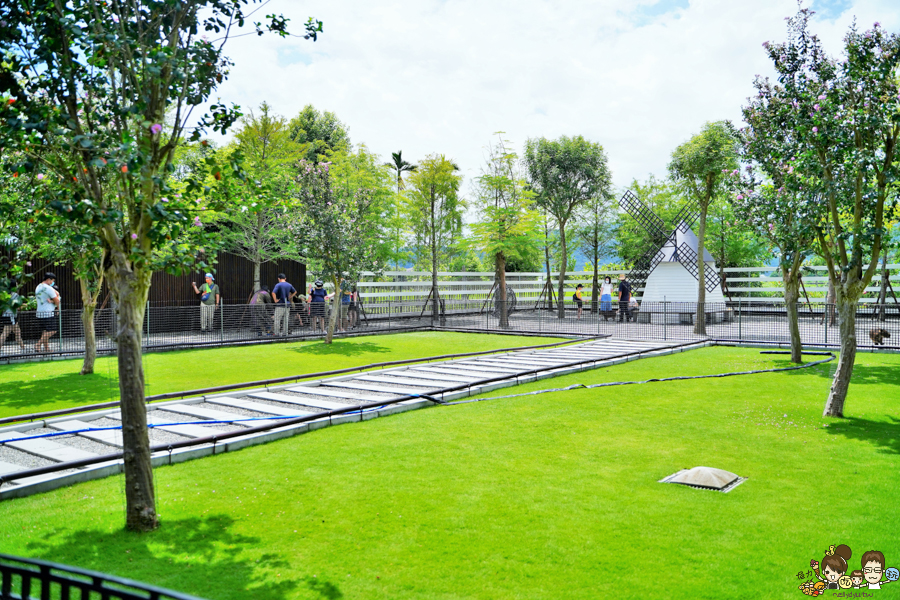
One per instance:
(205, 416)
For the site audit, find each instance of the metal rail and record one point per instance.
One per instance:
(31, 579)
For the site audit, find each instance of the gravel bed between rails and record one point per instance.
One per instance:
(157, 436)
(179, 418)
(285, 406)
(76, 441)
(232, 410)
(26, 460)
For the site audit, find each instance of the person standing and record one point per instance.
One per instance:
(259, 304)
(624, 298)
(209, 299)
(606, 289)
(346, 301)
(10, 325)
(354, 308)
(317, 297)
(579, 299)
(48, 301)
(282, 294)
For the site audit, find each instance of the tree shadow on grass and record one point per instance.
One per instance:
(862, 374)
(72, 389)
(199, 556)
(883, 434)
(342, 347)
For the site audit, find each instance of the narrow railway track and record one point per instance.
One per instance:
(52, 453)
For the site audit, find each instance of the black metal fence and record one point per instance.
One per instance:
(29, 579)
(231, 324)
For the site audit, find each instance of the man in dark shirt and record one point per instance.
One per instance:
(282, 295)
(624, 298)
(261, 312)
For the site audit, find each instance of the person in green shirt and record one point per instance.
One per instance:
(209, 299)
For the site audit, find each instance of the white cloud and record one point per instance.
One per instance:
(430, 76)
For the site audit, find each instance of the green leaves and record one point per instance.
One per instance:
(565, 173)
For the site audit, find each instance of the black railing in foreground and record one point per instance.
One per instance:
(173, 327)
(30, 579)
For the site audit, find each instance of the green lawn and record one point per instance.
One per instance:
(40, 386)
(550, 496)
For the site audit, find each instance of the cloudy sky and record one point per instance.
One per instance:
(432, 76)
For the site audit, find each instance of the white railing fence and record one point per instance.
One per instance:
(759, 284)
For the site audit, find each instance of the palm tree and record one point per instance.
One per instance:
(400, 166)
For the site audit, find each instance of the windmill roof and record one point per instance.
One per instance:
(669, 251)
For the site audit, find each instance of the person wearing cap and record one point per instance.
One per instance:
(624, 298)
(346, 300)
(209, 299)
(317, 297)
(262, 315)
(282, 294)
(48, 301)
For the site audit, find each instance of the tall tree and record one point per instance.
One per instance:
(86, 87)
(565, 173)
(397, 221)
(336, 228)
(700, 166)
(260, 230)
(507, 226)
(843, 164)
(550, 246)
(594, 233)
(320, 133)
(762, 200)
(435, 209)
(360, 173)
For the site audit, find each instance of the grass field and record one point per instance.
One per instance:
(41, 386)
(548, 496)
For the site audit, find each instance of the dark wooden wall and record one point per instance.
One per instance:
(233, 274)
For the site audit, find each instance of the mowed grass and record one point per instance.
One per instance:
(50, 385)
(547, 496)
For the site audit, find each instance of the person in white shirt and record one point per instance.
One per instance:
(606, 290)
(48, 301)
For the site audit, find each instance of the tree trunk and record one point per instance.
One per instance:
(547, 263)
(834, 406)
(89, 307)
(830, 313)
(563, 262)
(882, 294)
(500, 263)
(791, 298)
(335, 312)
(434, 268)
(129, 287)
(256, 281)
(595, 282)
(700, 321)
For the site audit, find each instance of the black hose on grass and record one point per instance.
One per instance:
(577, 386)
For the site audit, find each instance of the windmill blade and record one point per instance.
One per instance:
(644, 216)
(686, 217)
(642, 268)
(688, 259)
